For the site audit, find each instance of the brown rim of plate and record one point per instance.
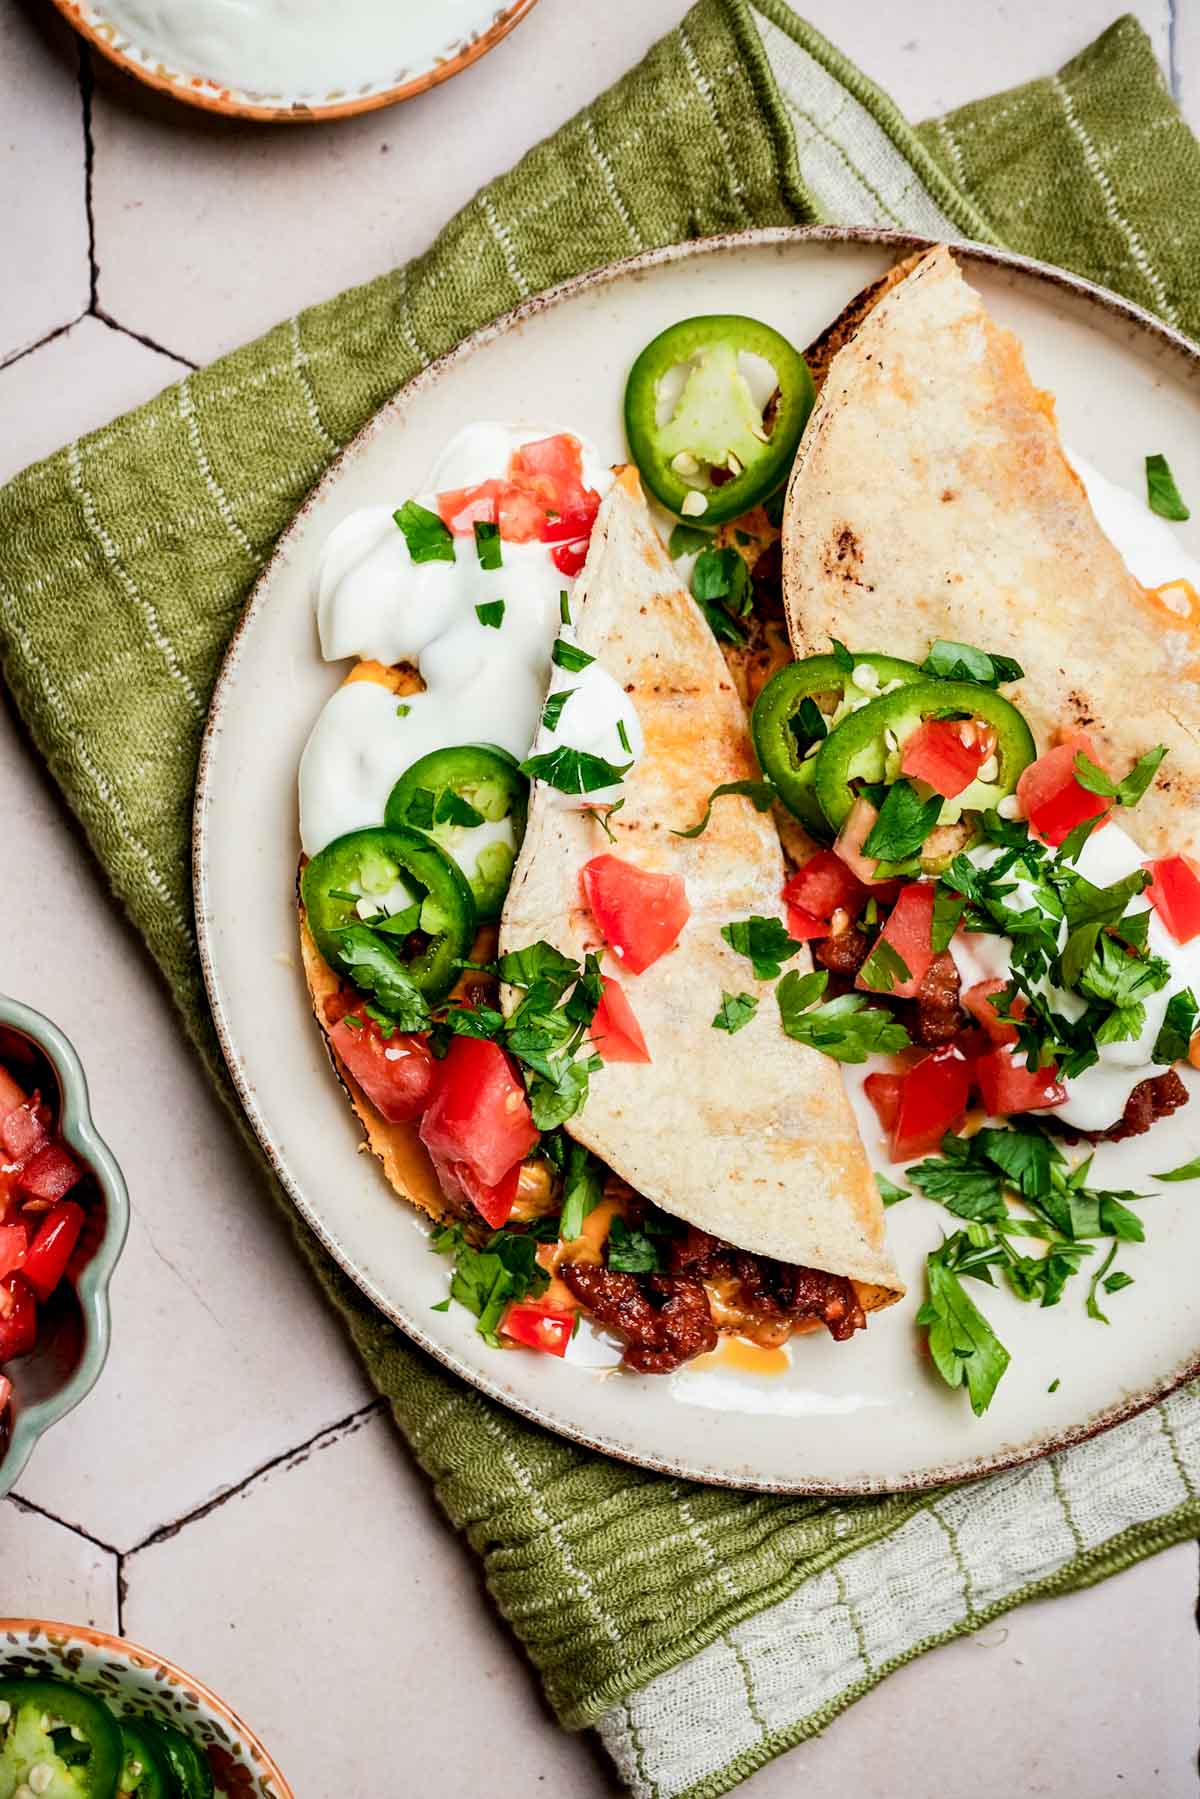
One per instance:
(123, 1650)
(778, 236)
(212, 96)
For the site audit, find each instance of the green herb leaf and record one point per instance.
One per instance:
(574, 771)
(842, 656)
(1179, 1026)
(723, 575)
(1187, 1171)
(553, 709)
(623, 737)
(966, 1190)
(736, 1010)
(428, 539)
(487, 1281)
(583, 1189)
(374, 968)
(632, 1251)
(948, 908)
(1126, 792)
(846, 1029)
(418, 810)
(570, 657)
(1162, 495)
(963, 662)
(453, 809)
(905, 821)
(764, 940)
(760, 793)
(884, 967)
(537, 962)
(402, 711)
(965, 1349)
(807, 726)
(491, 613)
(1071, 847)
(889, 1192)
(685, 540)
(487, 544)
(1093, 1307)
(564, 606)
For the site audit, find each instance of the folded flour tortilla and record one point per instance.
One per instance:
(931, 498)
(750, 1137)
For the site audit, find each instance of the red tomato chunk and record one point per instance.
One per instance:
(1050, 796)
(639, 913)
(909, 931)
(917, 1108)
(1174, 892)
(18, 1318)
(51, 1173)
(539, 1327)
(479, 1114)
(542, 498)
(937, 755)
(615, 1031)
(978, 1002)
(398, 1074)
(48, 1255)
(823, 886)
(462, 1187)
(1007, 1086)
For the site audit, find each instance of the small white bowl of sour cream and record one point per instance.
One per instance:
(293, 60)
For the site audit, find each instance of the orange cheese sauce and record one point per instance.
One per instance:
(1179, 600)
(744, 1357)
(587, 1247)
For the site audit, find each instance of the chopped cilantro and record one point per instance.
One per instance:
(735, 1010)
(1093, 1307)
(602, 815)
(491, 613)
(487, 544)
(1187, 1171)
(1162, 495)
(685, 540)
(574, 771)
(807, 726)
(487, 1281)
(402, 711)
(374, 969)
(570, 657)
(1126, 792)
(564, 606)
(632, 1251)
(764, 941)
(1179, 1025)
(761, 793)
(623, 737)
(842, 657)
(1054, 1385)
(721, 588)
(965, 1349)
(948, 908)
(963, 662)
(583, 1189)
(553, 709)
(428, 539)
(847, 1029)
(884, 967)
(905, 821)
(452, 809)
(889, 1192)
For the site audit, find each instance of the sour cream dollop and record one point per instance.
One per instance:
(484, 683)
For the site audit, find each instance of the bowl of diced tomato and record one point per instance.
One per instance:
(64, 1213)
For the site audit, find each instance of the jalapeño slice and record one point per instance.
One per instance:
(717, 426)
(187, 1762)
(858, 751)
(471, 800)
(146, 1772)
(52, 1725)
(787, 732)
(388, 908)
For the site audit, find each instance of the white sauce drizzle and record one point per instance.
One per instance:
(482, 684)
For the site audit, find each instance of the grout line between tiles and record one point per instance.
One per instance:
(324, 1438)
(86, 90)
(58, 331)
(98, 312)
(77, 1530)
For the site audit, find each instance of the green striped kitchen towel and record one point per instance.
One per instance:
(702, 1631)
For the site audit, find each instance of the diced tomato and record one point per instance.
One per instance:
(978, 1002)
(14, 1241)
(11, 1095)
(825, 885)
(541, 497)
(18, 1318)
(909, 931)
(804, 927)
(1052, 799)
(51, 1173)
(48, 1255)
(479, 1113)
(462, 1187)
(6, 1393)
(933, 1100)
(398, 1074)
(1174, 892)
(1007, 1086)
(937, 755)
(883, 1091)
(569, 558)
(640, 913)
(24, 1130)
(539, 1327)
(615, 1031)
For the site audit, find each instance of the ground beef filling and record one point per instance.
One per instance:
(1150, 1100)
(669, 1318)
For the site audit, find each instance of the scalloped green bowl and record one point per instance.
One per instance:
(71, 1352)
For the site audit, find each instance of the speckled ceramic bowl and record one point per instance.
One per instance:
(376, 86)
(74, 1327)
(134, 1680)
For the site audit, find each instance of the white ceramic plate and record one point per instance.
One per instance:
(861, 1416)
